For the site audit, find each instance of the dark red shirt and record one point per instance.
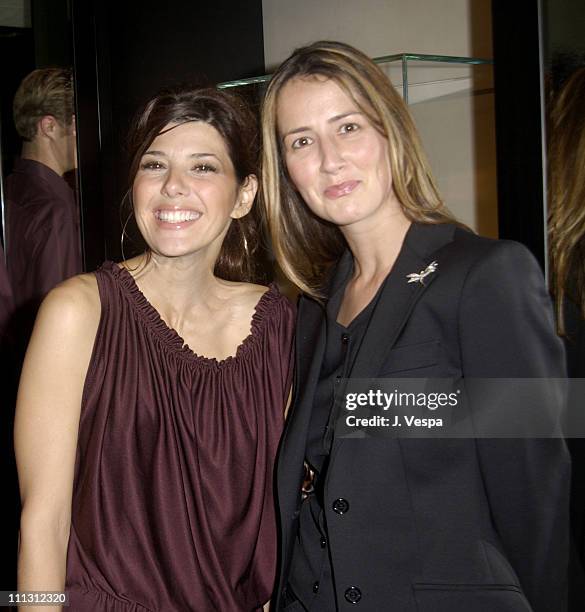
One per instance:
(6, 302)
(173, 507)
(43, 241)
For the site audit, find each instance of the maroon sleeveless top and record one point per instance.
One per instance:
(172, 497)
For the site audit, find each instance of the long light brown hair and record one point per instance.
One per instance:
(566, 223)
(304, 245)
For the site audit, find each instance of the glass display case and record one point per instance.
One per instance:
(441, 71)
(452, 101)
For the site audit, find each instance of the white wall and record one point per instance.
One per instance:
(457, 128)
(378, 27)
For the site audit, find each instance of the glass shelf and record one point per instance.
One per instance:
(456, 72)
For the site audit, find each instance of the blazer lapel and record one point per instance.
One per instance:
(399, 296)
(309, 349)
(389, 316)
(310, 346)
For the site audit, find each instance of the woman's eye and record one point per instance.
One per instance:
(205, 168)
(301, 142)
(151, 165)
(348, 128)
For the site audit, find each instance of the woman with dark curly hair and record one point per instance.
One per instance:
(153, 392)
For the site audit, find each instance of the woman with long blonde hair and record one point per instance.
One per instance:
(393, 287)
(567, 197)
(566, 161)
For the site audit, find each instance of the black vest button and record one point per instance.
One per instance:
(340, 506)
(323, 542)
(353, 595)
(316, 587)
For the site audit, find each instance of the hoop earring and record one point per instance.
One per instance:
(147, 252)
(124, 233)
(242, 232)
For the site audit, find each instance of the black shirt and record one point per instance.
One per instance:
(310, 578)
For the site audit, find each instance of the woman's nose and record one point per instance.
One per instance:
(331, 156)
(174, 184)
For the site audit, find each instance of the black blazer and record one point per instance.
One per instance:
(439, 525)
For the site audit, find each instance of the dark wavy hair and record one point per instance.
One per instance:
(231, 117)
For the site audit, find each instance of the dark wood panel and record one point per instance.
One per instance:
(519, 123)
(125, 52)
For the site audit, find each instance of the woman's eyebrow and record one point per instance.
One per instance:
(344, 115)
(199, 155)
(295, 131)
(330, 120)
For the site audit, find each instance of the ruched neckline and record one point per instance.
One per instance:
(172, 507)
(172, 340)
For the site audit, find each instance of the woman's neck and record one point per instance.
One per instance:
(175, 285)
(376, 247)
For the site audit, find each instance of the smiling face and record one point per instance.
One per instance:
(186, 193)
(336, 158)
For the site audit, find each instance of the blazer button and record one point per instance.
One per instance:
(340, 506)
(316, 587)
(323, 542)
(344, 338)
(353, 595)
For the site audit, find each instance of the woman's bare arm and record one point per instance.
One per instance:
(46, 424)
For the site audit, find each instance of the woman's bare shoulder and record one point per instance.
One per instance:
(79, 291)
(245, 295)
(74, 304)
(60, 347)
(254, 292)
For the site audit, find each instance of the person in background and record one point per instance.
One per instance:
(6, 299)
(566, 188)
(394, 288)
(42, 231)
(42, 218)
(10, 373)
(153, 391)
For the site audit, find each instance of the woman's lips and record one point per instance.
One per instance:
(176, 218)
(341, 189)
